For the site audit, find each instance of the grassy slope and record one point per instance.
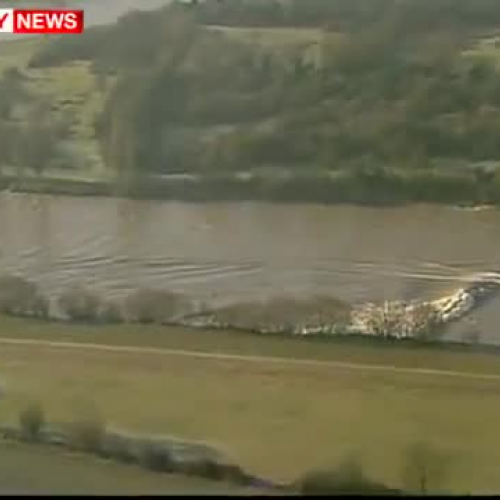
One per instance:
(73, 90)
(74, 82)
(40, 470)
(276, 419)
(281, 41)
(488, 48)
(17, 52)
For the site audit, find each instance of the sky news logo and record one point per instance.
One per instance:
(41, 22)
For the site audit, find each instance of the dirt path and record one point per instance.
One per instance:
(246, 358)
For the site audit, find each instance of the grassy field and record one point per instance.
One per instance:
(35, 470)
(276, 419)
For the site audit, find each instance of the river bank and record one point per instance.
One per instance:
(357, 348)
(367, 187)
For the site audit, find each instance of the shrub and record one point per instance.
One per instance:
(80, 304)
(348, 479)
(110, 313)
(284, 313)
(234, 474)
(156, 457)
(153, 306)
(21, 297)
(32, 421)
(88, 434)
(55, 437)
(118, 447)
(12, 433)
(205, 468)
(3, 389)
(211, 469)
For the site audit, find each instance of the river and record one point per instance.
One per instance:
(237, 252)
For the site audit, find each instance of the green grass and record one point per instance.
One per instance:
(282, 40)
(277, 420)
(16, 53)
(73, 92)
(488, 47)
(71, 89)
(346, 350)
(275, 38)
(36, 470)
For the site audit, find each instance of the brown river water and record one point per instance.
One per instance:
(229, 253)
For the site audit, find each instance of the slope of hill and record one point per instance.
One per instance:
(357, 94)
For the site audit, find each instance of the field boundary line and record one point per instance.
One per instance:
(221, 356)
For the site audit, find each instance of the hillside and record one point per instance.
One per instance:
(330, 88)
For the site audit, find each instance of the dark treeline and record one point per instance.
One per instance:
(350, 14)
(394, 85)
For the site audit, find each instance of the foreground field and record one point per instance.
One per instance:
(276, 418)
(28, 469)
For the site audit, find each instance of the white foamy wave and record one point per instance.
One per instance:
(409, 319)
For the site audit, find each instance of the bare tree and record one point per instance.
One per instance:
(37, 139)
(387, 320)
(425, 323)
(399, 319)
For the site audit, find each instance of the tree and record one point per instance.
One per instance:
(424, 322)
(36, 142)
(12, 91)
(8, 136)
(130, 128)
(115, 128)
(388, 320)
(32, 421)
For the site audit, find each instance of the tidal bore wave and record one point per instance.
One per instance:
(319, 315)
